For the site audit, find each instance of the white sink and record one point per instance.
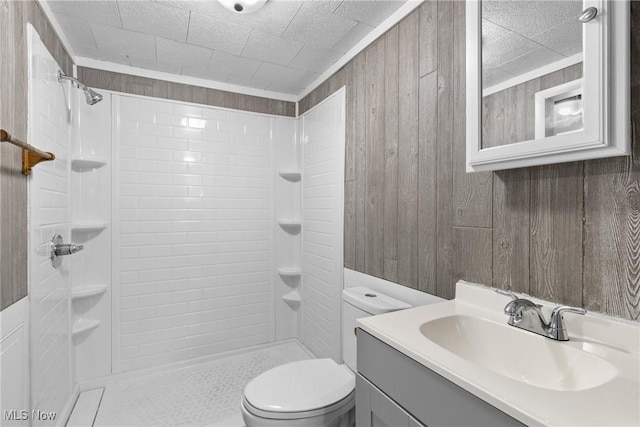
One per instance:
(519, 355)
(591, 380)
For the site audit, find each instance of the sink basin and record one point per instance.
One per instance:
(519, 355)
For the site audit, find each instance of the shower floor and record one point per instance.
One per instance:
(205, 394)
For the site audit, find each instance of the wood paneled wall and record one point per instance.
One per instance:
(127, 83)
(14, 16)
(569, 233)
(508, 116)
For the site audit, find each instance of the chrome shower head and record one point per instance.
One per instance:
(90, 95)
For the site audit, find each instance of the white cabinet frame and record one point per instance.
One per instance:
(606, 97)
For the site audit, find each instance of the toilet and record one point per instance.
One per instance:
(316, 392)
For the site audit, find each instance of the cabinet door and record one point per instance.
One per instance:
(376, 409)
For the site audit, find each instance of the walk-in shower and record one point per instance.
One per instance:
(91, 95)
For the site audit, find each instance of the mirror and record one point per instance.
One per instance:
(529, 47)
(543, 86)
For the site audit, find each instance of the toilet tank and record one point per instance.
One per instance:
(360, 302)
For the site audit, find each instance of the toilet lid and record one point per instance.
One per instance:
(300, 386)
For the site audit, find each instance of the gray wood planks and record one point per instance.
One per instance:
(408, 151)
(444, 154)
(180, 92)
(375, 164)
(360, 158)
(14, 17)
(427, 178)
(391, 132)
(533, 215)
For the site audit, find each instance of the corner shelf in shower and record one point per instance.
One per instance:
(88, 226)
(84, 325)
(290, 224)
(290, 175)
(88, 291)
(83, 164)
(289, 272)
(292, 298)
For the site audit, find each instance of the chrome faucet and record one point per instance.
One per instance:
(527, 315)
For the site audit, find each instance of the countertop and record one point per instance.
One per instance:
(616, 402)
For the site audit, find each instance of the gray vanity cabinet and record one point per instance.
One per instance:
(376, 409)
(394, 390)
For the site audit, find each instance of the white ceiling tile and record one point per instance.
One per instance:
(493, 76)
(217, 34)
(371, 12)
(272, 73)
(335, 5)
(104, 12)
(307, 79)
(155, 19)
(530, 61)
(315, 24)
(565, 38)
(267, 47)
(243, 68)
(273, 17)
(530, 18)
(505, 49)
(284, 46)
(233, 79)
(492, 32)
(173, 53)
(312, 59)
(352, 38)
(204, 73)
(116, 41)
(152, 64)
(78, 32)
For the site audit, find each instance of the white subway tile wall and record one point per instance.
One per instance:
(194, 195)
(49, 215)
(323, 135)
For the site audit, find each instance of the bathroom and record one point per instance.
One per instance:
(236, 183)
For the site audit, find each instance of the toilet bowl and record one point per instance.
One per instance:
(316, 392)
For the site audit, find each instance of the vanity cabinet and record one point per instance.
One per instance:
(376, 409)
(393, 389)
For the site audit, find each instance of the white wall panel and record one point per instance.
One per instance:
(287, 240)
(323, 137)
(193, 224)
(14, 363)
(49, 215)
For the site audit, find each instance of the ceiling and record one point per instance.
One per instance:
(520, 36)
(283, 47)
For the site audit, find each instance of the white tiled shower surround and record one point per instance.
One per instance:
(192, 232)
(323, 137)
(193, 244)
(50, 334)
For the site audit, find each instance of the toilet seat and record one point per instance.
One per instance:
(301, 389)
(337, 407)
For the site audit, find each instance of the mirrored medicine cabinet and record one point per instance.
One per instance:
(547, 82)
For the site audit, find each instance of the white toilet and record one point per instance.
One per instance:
(316, 392)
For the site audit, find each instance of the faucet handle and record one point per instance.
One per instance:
(556, 323)
(506, 293)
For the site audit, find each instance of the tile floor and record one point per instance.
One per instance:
(205, 394)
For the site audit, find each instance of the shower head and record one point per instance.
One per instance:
(92, 97)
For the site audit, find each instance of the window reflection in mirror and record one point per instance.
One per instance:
(531, 70)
